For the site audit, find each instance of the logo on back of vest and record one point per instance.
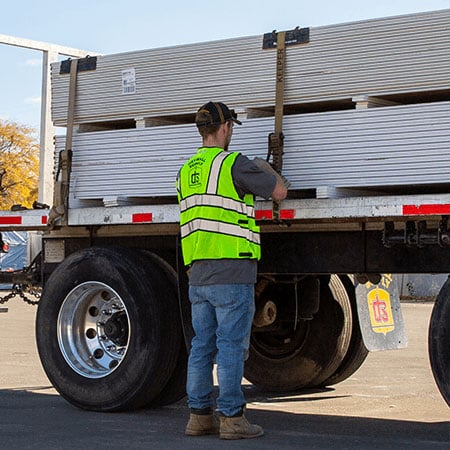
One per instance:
(195, 175)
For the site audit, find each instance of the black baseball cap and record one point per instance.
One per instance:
(215, 113)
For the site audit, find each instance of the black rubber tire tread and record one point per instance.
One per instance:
(154, 335)
(439, 341)
(344, 317)
(357, 351)
(175, 389)
(322, 343)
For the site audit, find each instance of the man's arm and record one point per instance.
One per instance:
(281, 186)
(250, 179)
(259, 178)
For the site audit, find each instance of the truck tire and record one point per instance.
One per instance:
(294, 357)
(357, 351)
(107, 329)
(175, 389)
(439, 341)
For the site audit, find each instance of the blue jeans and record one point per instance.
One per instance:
(222, 317)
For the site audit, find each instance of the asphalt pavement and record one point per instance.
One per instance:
(390, 402)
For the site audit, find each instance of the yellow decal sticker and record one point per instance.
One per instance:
(380, 310)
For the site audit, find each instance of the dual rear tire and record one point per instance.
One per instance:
(296, 354)
(108, 331)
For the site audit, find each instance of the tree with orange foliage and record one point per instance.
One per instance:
(19, 165)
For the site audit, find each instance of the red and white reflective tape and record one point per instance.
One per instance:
(124, 215)
(309, 209)
(267, 214)
(23, 220)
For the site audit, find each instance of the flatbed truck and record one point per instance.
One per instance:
(113, 326)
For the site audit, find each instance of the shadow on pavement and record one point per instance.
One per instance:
(41, 419)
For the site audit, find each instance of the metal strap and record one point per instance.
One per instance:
(279, 93)
(61, 194)
(71, 102)
(276, 138)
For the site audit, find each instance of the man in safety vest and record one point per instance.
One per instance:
(221, 245)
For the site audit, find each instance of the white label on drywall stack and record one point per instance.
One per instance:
(128, 81)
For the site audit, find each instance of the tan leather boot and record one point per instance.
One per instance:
(200, 425)
(238, 428)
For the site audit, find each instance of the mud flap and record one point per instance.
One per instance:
(380, 315)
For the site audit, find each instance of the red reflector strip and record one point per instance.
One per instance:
(287, 214)
(142, 217)
(44, 220)
(266, 214)
(411, 210)
(263, 214)
(11, 220)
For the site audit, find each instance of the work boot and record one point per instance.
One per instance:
(238, 428)
(200, 424)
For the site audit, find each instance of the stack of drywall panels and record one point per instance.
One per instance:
(376, 147)
(379, 57)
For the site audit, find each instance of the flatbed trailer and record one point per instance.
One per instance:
(113, 323)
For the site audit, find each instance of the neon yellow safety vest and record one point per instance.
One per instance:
(215, 222)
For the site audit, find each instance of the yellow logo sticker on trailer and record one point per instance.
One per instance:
(380, 311)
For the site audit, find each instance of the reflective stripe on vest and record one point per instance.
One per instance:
(219, 227)
(220, 202)
(215, 172)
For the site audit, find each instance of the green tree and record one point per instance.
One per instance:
(19, 165)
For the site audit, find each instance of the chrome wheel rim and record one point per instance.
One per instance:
(93, 329)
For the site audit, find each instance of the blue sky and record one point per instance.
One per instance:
(112, 26)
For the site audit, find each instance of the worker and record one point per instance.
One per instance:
(221, 246)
